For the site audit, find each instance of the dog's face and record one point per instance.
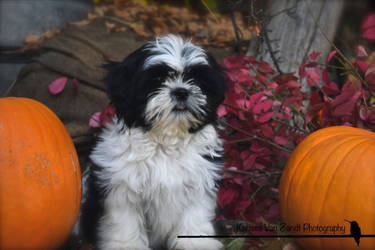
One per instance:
(167, 83)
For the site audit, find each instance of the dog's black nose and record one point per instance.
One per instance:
(181, 94)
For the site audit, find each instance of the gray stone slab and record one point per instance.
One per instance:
(19, 18)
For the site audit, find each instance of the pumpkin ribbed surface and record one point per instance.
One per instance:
(40, 179)
(330, 178)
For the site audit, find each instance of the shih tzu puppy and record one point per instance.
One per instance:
(155, 166)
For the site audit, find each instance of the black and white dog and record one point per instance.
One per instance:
(154, 169)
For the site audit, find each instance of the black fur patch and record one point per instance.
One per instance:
(93, 207)
(129, 86)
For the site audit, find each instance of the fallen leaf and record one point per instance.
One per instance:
(91, 16)
(140, 30)
(109, 26)
(81, 23)
(58, 85)
(76, 83)
(95, 120)
(331, 54)
(33, 38)
(361, 51)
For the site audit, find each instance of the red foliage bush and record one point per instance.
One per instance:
(268, 114)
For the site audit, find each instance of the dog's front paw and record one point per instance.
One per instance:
(197, 244)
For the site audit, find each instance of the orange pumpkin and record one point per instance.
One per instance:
(40, 179)
(330, 178)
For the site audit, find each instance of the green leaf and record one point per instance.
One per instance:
(236, 244)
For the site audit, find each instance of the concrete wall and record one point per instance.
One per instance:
(20, 18)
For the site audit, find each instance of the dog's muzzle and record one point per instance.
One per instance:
(180, 96)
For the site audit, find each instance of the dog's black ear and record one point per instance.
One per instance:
(220, 78)
(121, 83)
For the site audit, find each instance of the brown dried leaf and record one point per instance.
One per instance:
(33, 38)
(140, 30)
(158, 26)
(157, 20)
(81, 23)
(51, 32)
(109, 26)
(123, 14)
(91, 16)
(112, 27)
(101, 10)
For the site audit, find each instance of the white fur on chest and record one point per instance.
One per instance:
(151, 167)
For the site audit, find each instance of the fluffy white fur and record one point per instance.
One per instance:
(175, 52)
(158, 187)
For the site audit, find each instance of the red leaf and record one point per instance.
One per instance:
(221, 111)
(226, 196)
(241, 206)
(293, 100)
(267, 130)
(58, 85)
(106, 115)
(244, 77)
(289, 85)
(76, 83)
(273, 212)
(326, 78)
(362, 66)
(285, 78)
(343, 97)
(368, 27)
(248, 159)
(292, 84)
(361, 51)
(371, 118)
(242, 102)
(95, 120)
(254, 98)
(302, 71)
(346, 108)
(330, 88)
(312, 77)
(311, 65)
(272, 85)
(370, 79)
(231, 76)
(265, 117)
(315, 98)
(264, 68)
(331, 54)
(281, 140)
(314, 55)
(312, 113)
(262, 106)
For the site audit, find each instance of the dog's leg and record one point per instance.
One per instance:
(123, 226)
(196, 220)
